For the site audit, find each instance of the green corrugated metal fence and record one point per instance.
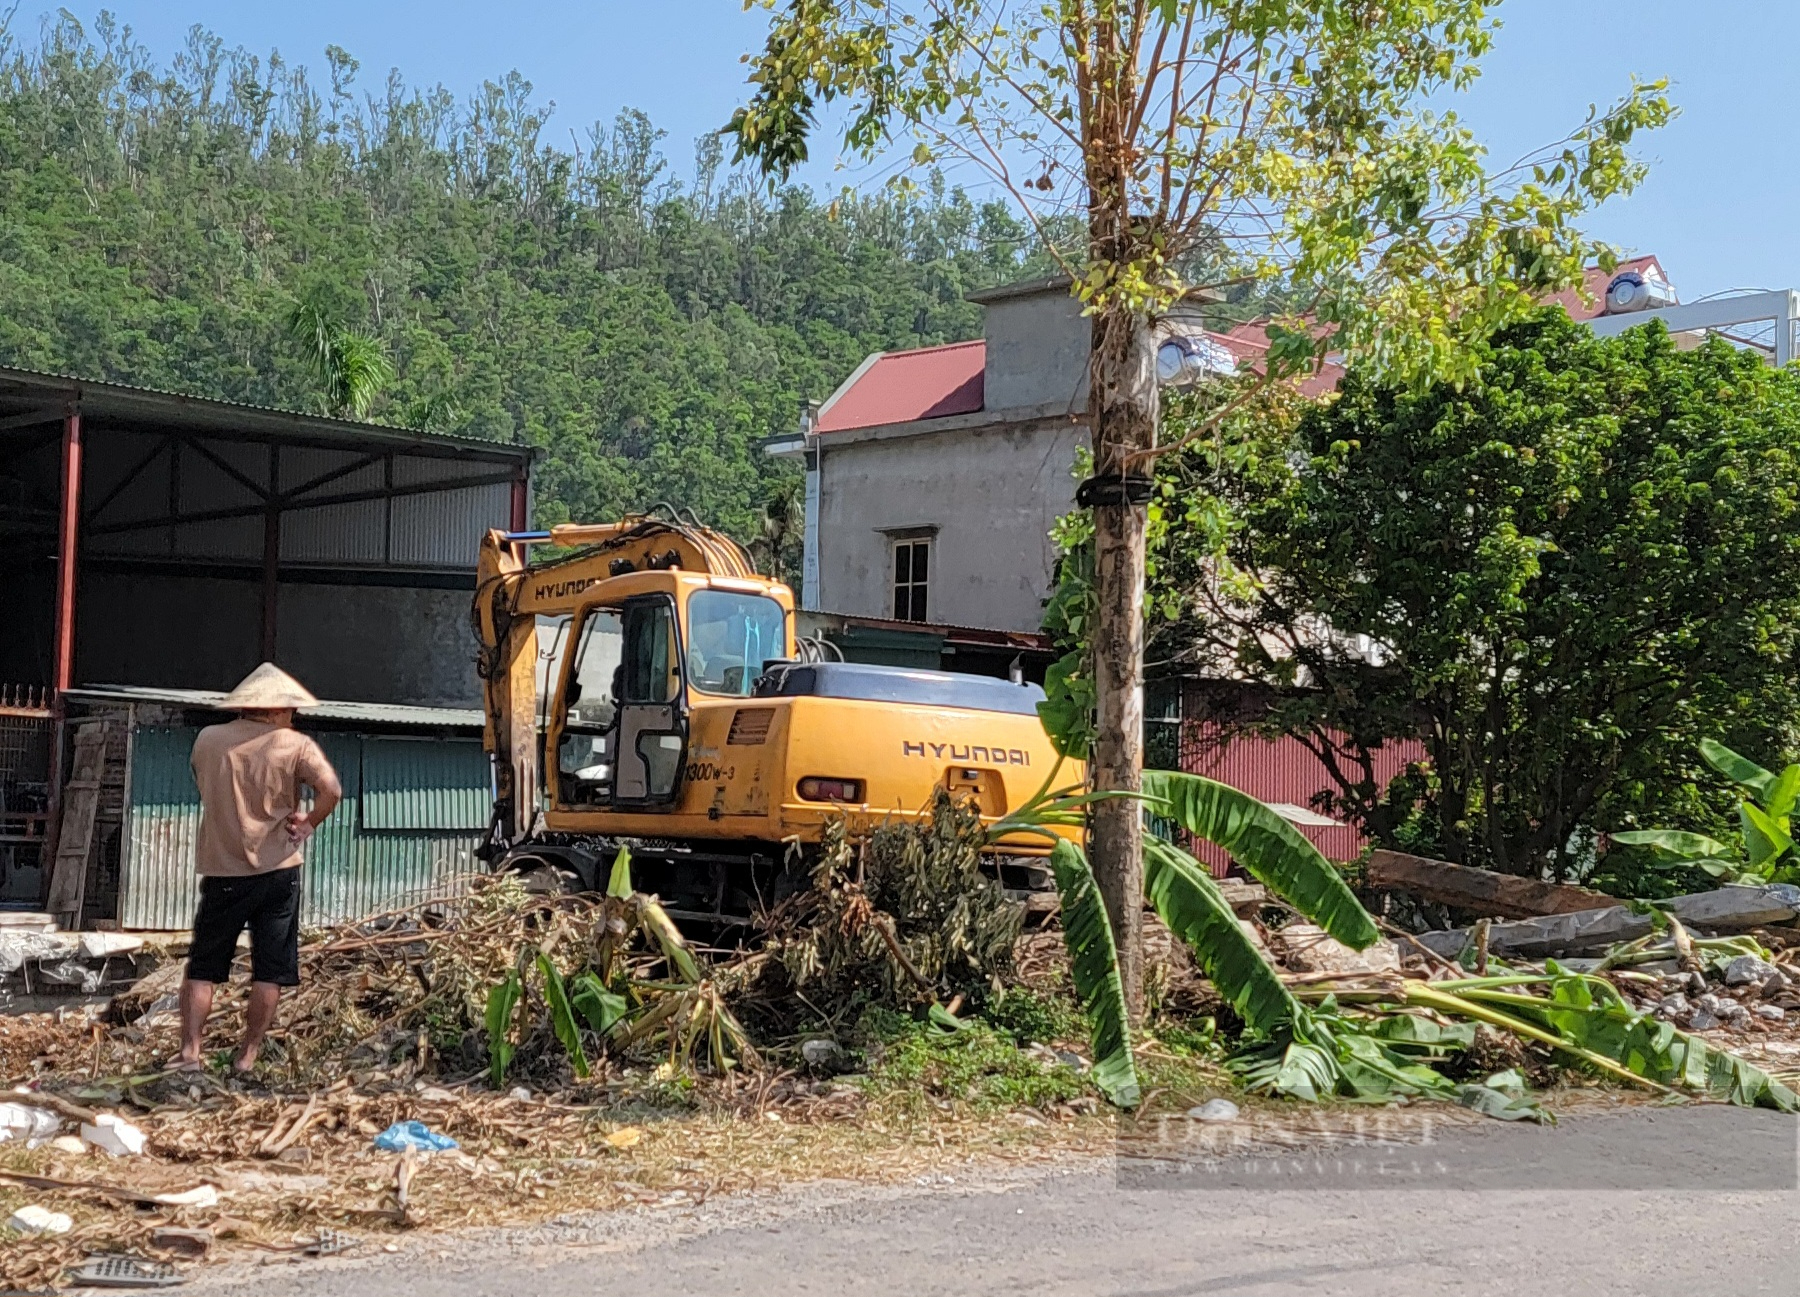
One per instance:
(412, 815)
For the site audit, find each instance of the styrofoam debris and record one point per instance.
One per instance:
(39, 1220)
(204, 1195)
(19, 1121)
(113, 1135)
(98, 945)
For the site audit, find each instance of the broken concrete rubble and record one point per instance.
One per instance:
(1730, 909)
(1736, 908)
(1308, 948)
(1746, 969)
(1557, 934)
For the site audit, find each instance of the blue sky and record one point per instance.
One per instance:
(1715, 209)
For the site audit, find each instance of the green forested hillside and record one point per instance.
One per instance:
(646, 323)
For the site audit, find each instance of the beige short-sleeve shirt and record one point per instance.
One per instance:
(250, 777)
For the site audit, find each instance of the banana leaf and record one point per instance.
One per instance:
(618, 884)
(1779, 800)
(1590, 1012)
(1684, 846)
(1764, 838)
(1186, 898)
(1323, 1053)
(1740, 770)
(1274, 852)
(668, 936)
(562, 1017)
(603, 1009)
(501, 1001)
(1094, 968)
(1586, 1017)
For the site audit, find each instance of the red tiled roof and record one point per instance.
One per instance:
(933, 382)
(1249, 342)
(1595, 281)
(900, 386)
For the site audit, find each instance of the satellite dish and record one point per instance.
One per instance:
(1633, 291)
(1191, 357)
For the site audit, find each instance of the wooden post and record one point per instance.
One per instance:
(62, 667)
(75, 835)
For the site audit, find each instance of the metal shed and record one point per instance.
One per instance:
(171, 543)
(417, 791)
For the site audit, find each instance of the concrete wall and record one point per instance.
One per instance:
(992, 494)
(389, 644)
(1037, 349)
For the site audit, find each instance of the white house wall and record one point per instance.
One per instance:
(992, 494)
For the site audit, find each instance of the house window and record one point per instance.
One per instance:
(912, 574)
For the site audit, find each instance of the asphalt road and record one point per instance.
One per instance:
(1688, 1201)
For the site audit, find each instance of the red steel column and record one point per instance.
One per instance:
(68, 541)
(521, 514)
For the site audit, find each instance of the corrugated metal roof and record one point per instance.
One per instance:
(936, 382)
(331, 710)
(239, 419)
(1249, 342)
(900, 386)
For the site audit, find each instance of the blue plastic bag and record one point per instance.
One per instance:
(403, 1135)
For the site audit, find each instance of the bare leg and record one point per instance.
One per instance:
(196, 1004)
(259, 1014)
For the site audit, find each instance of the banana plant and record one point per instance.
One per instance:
(1766, 852)
(1182, 892)
(686, 1008)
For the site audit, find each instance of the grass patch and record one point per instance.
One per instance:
(981, 1065)
(1030, 1016)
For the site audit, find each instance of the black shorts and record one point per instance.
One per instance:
(269, 905)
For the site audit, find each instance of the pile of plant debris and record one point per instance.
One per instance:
(583, 1055)
(902, 916)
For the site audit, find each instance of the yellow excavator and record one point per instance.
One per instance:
(675, 711)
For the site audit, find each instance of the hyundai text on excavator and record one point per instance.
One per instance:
(687, 722)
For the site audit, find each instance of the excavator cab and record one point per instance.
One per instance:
(637, 669)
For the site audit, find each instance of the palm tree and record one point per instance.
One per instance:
(351, 365)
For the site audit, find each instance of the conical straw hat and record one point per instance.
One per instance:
(269, 687)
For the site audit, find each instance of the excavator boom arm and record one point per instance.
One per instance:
(512, 592)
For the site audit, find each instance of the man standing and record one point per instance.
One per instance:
(250, 772)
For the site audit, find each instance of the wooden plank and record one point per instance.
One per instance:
(1480, 891)
(74, 843)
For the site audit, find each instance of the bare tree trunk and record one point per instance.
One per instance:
(1123, 402)
(1122, 408)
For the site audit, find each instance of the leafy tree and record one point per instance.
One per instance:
(644, 324)
(1195, 145)
(1559, 577)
